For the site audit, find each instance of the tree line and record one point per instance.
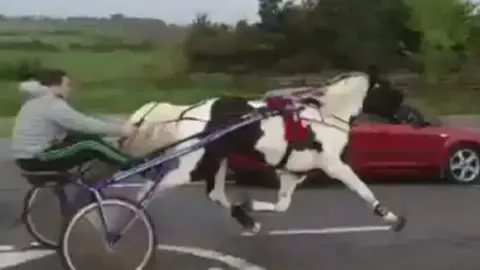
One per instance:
(433, 37)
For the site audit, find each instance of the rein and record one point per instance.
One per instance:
(324, 122)
(181, 117)
(140, 122)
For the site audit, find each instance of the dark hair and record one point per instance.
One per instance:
(51, 77)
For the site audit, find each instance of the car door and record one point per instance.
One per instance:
(367, 144)
(381, 145)
(408, 147)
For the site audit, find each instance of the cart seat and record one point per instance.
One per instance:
(40, 178)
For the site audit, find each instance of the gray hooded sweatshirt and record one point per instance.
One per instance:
(32, 89)
(45, 118)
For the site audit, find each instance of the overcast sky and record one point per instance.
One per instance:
(178, 11)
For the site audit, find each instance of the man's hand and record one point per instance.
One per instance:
(128, 130)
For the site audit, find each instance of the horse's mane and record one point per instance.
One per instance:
(315, 90)
(328, 94)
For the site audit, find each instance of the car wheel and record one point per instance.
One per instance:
(463, 165)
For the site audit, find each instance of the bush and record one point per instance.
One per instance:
(21, 70)
(32, 45)
(110, 46)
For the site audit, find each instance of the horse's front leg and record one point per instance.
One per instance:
(336, 169)
(216, 193)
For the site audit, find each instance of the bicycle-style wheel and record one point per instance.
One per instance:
(42, 215)
(84, 243)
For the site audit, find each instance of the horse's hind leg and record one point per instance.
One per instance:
(288, 184)
(338, 170)
(216, 193)
(216, 186)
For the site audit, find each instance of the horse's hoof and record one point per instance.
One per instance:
(253, 230)
(399, 224)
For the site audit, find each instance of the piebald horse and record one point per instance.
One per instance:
(326, 114)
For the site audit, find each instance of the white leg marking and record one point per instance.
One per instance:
(218, 193)
(335, 168)
(288, 184)
(262, 206)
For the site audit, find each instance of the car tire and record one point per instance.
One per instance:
(463, 164)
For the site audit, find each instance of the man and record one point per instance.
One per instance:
(42, 135)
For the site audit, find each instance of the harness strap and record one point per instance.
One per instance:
(288, 152)
(283, 161)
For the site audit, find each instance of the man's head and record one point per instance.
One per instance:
(57, 80)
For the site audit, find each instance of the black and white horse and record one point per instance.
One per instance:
(326, 117)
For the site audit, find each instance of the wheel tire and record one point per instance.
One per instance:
(123, 203)
(29, 222)
(453, 174)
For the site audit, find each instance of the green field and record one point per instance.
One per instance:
(118, 81)
(121, 81)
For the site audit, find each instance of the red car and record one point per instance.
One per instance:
(413, 149)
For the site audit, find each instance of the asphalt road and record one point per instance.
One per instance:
(324, 229)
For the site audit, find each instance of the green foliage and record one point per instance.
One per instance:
(167, 66)
(109, 46)
(21, 70)
(35, 45)
(307, 37)
(446, 28)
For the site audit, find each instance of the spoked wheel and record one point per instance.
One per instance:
(42, 215)
(86, 239)
(463, 166)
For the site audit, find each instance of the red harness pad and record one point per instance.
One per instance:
(294, 130)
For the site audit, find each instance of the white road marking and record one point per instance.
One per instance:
(333, 230)
(13, 258)
(10, 257)
(234, 262)
(6, 248)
